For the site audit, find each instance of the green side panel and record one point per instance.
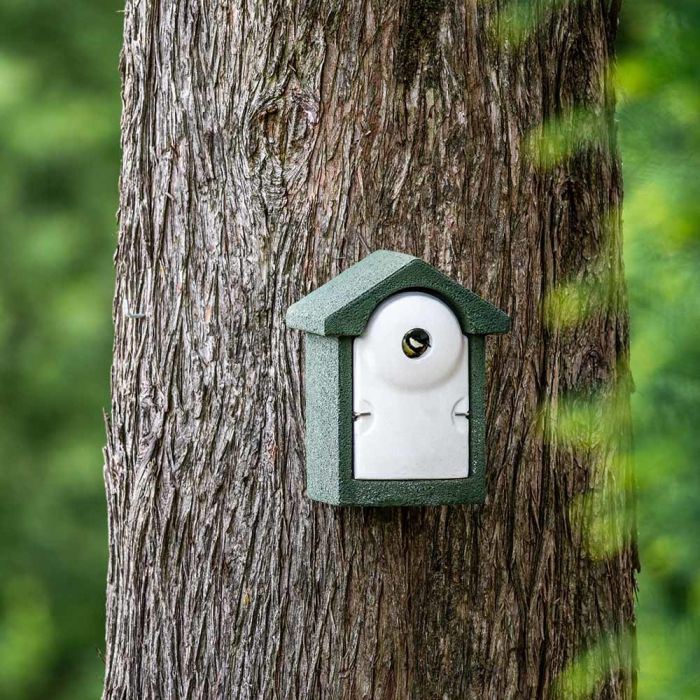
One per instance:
(343, 306)
(323, 417)
(477, 412)
(345, 427)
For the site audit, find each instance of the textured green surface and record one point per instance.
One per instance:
(329, 371)
(311, 313)
(343, 305)
(325, 448)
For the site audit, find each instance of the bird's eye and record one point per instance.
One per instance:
(415, 343)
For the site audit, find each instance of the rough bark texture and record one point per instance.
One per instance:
(267, 146)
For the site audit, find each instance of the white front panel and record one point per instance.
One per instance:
(411, 392)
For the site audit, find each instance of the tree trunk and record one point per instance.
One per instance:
(267, 147)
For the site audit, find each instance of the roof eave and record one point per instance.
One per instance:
(476, 316)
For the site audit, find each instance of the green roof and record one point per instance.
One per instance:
(342, 306)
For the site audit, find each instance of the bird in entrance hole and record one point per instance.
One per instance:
(415, 343)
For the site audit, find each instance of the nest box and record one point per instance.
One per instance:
(395, 385)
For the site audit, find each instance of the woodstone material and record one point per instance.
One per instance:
(331, 316)
(267, 147)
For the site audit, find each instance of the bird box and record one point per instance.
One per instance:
(395, 385)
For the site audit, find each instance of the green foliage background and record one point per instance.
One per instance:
(659, 82)
(59, 138)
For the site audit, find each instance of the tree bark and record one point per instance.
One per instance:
(267, 146)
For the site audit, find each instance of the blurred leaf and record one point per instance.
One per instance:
(558, 139)
(519, 19)
(587, 673)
